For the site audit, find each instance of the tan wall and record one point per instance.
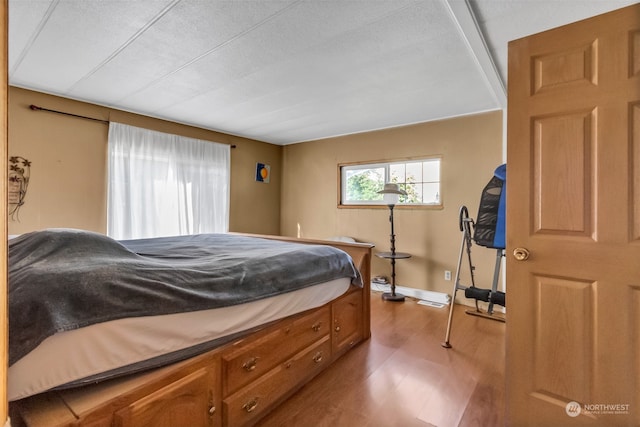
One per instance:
(69, 157)
(68, 181)
(471, 149)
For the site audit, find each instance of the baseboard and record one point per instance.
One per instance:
(431, 298)
(421, 294)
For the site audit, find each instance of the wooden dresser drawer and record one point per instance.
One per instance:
(243, 363)
(246, 406)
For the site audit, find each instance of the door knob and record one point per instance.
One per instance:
(521, 254)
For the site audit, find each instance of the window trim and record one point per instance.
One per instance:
(386, 163)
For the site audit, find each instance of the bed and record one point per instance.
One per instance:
(216, 328)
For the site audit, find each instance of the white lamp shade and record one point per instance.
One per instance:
(390, 198)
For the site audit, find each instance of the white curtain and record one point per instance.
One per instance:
(165, 185)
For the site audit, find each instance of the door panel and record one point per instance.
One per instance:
(573, 200)
(573, 66)
(560, 370)
(562, 143)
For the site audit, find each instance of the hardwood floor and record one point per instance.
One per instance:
(403, 377)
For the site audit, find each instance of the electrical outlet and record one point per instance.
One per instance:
(447, 275)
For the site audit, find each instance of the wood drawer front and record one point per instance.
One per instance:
(244, 363)
(347, 323)
(188, 401)
(249, 404)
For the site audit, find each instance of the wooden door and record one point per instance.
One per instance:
(573, 201)
(3, 212)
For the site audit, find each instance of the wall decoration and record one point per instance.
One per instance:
(263, 172)
(19, 172)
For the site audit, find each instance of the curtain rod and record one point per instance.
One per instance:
(36, 108)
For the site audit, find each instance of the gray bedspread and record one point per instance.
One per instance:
(62, 279)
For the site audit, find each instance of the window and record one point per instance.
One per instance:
(419, 178)
(165, 185)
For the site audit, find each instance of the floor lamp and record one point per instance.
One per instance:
(391, 194)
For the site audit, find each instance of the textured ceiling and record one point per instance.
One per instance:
(280, 71)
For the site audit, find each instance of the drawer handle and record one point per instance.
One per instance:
(250, 405)
(250, 364)
(337, 329)
(316, 326)
(318, 357)
(212, 405)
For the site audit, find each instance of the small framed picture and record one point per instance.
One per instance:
(263, 172)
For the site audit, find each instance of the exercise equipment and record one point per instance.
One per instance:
(488, 231)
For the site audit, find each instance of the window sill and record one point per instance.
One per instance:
(402, 207)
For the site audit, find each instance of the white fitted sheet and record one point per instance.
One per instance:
(73, 355)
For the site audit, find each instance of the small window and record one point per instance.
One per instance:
(359, 184)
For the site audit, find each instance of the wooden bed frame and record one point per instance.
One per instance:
(233, 385)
